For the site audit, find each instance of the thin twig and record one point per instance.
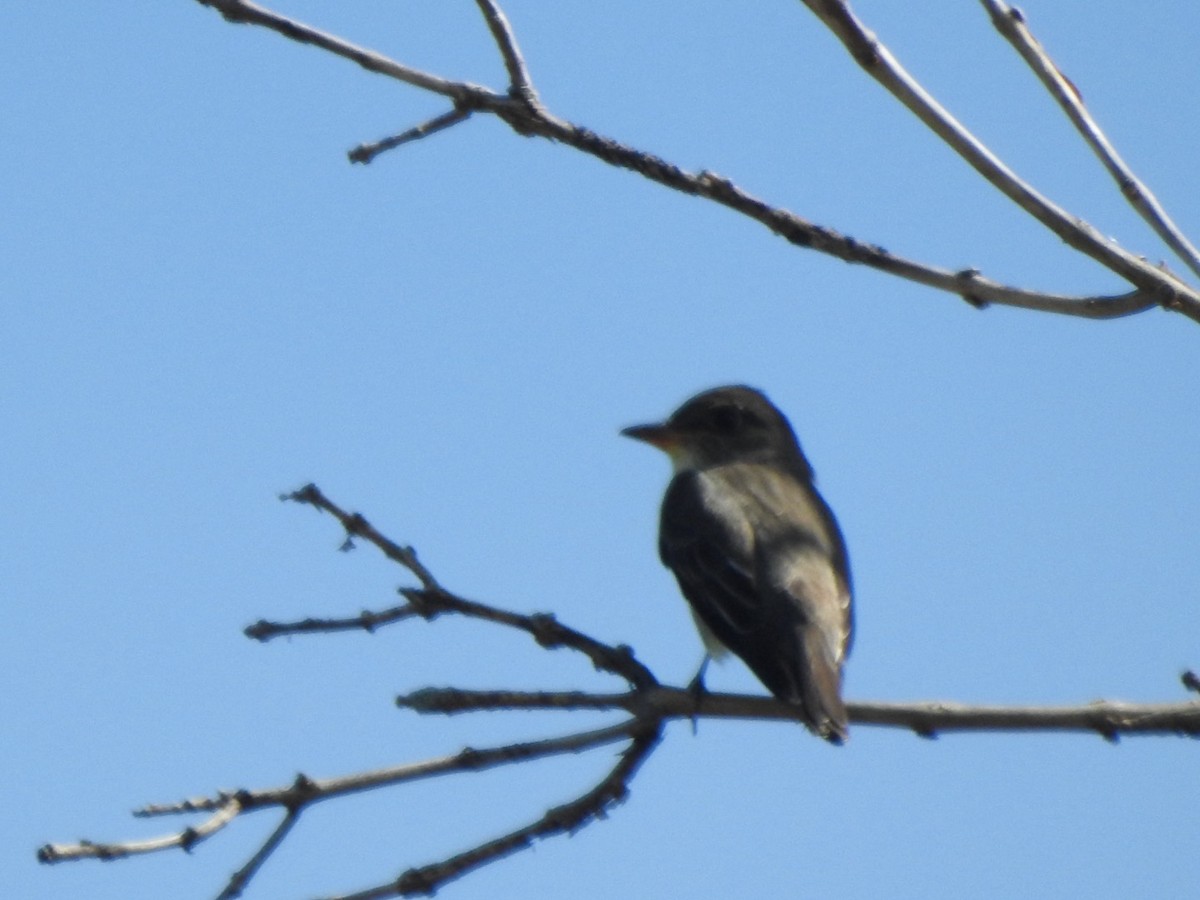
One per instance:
(367, 620)
(520, 84)
(225, 807)
(364, 153)
(240, 880)
(356, 526)
(1010, 22)
(248, 13)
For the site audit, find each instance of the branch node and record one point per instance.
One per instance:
(303, 789)
(416, 882)
(308, 495)
(260, 631)
(424, 603)
(425, 700)
(971, 276)
(470, 758)
(545, 630)
(356, 526)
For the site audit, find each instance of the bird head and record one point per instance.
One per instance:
(734, 424)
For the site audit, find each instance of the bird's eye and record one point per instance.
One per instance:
(726, 418)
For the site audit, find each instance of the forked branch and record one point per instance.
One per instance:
(1010, 22)
(870, 53)
(645, 707)
(520, 108)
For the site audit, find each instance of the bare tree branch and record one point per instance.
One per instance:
(878, 62)
(1108, 718)
(1011, 23)
(565, 819)
(642, 735)
(525, 115)
(647, 706)
(432, 600)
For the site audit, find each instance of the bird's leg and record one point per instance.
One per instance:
(696, 685)
(697, 689)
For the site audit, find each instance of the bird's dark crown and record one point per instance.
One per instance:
(736, 424)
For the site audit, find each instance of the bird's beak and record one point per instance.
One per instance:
(660, 436)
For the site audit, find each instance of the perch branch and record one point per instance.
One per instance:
(648, 706)
(1108, 718)
(224, 808)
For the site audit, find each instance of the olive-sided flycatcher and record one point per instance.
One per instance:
(756, 550)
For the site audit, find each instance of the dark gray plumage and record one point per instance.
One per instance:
(756, 550)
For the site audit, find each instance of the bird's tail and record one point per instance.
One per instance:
(821, 690)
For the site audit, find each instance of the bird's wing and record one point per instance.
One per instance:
(711, 551)
(768, 590)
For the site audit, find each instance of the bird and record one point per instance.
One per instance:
(756, 550)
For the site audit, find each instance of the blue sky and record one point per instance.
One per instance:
(204, 305)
